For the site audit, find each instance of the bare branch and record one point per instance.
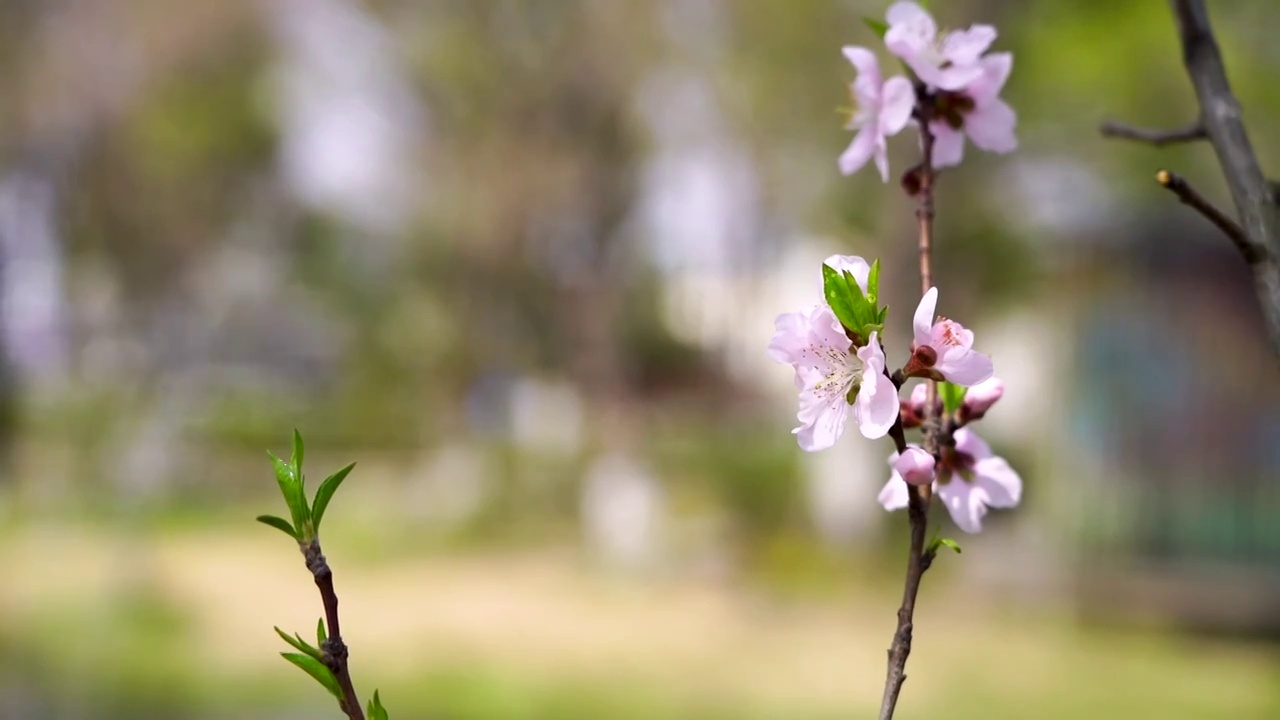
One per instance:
(1220, 114)
(1187, 133)
(335, 650)
(1190, 196)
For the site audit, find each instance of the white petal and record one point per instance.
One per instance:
(992, 127)
(864, 61)
(893, 496)
(995, 72)
(964, 505)
(911, 16)
(968, 442)
(964, 47)
(858, 152)
(877, 406)
(1001, 482)
(882, 158)
(948, 145)
(963, 366)
(897, 100)
(922, 323)
(858, 267)
(823, 423)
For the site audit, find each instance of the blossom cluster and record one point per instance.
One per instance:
(954, 86)
(840, 371)
(836, 346)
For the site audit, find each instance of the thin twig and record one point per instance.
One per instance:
(1151, 136)
(335, 651)
(1256, 204)
(1190, 196)
(917, 497)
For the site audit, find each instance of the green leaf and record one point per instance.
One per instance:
(279, 523)
(375, 710)
(873, 283)
(948, 542)
(291, 488)
(298, 450)
(952, 396)
(879, 27)
(836, 290)
(321, 635)
(298, 643)
(325, 494)
(317, 670)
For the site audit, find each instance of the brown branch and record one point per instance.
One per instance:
(335, 651)
(1190, 196)
(1186, 133)
(918, 559)
(1255, 203)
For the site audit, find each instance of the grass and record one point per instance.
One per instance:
(174, 621)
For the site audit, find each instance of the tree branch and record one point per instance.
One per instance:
(1157, 137)
(1220, 114)
(1190, 196)
(335, 651)
(917, 497)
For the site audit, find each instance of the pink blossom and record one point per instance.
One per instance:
(948, 345)
(976, 111)
(882, 109)
(979, 399)
(970, 479)
(828, 370)
(915, 466)
(946, 62)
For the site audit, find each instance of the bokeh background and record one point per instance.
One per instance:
(521, 260)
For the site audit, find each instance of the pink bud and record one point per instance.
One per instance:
(982, 396)
(919, 394)
(915, 466)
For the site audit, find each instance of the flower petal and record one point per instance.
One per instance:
(991, 127)
(964, 47)
(859, 151)
(897, 100)
(822, 420)
(876, 405)
(995, 71)
(1002, 484)
(893, 496)
(968, 442)
(948, 145)
(922, 323)
(882, 158)
(790, 335)
(964, 505)
(858, 267)
(962, 365)
(864, 61)
(910, 17)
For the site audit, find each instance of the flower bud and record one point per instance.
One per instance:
(919, 396)
(981, 397)
(915, 466)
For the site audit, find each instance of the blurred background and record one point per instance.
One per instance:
(521, 261)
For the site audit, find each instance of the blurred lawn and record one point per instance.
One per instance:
(164, 621)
